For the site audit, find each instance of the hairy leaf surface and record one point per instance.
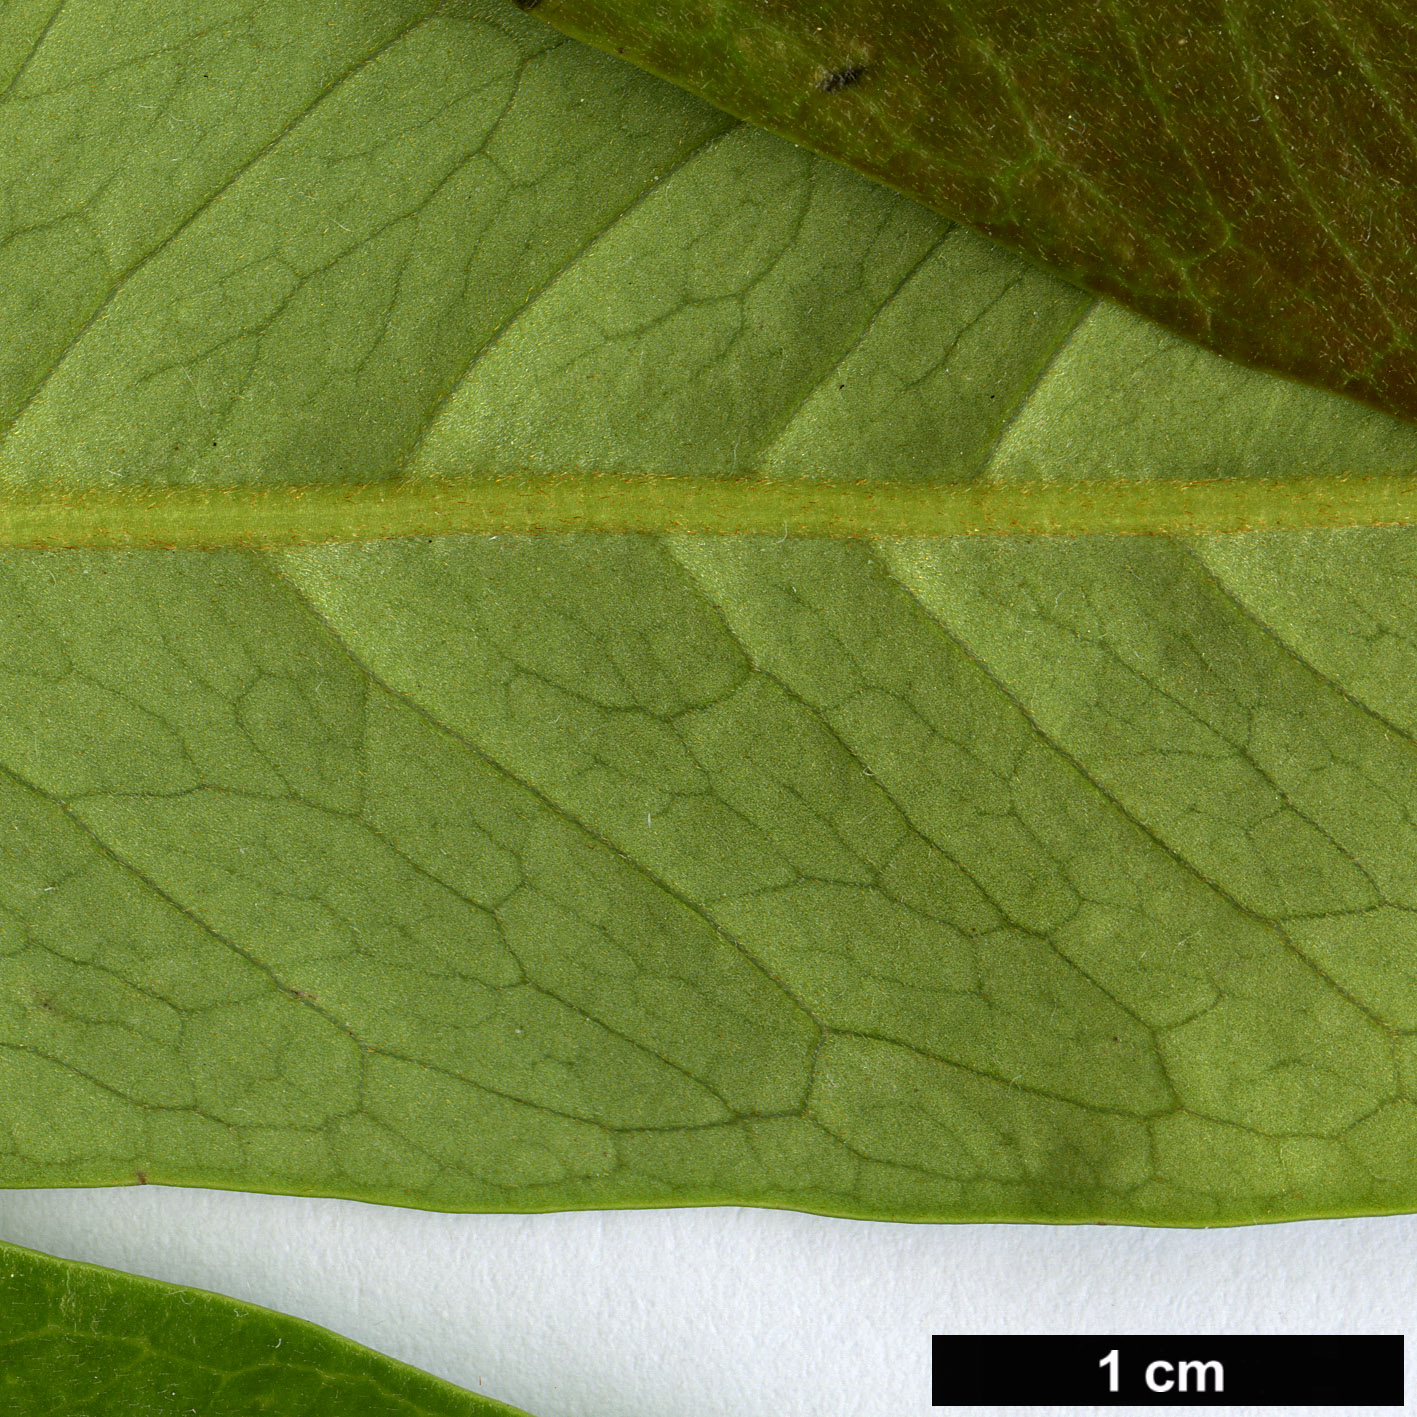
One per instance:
(78, 1339)
(1240, 171)
(890, 875)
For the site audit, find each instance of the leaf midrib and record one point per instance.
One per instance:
(204, 518)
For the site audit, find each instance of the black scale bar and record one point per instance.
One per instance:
(1159, 1371)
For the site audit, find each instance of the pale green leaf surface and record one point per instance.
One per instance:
(953, 878)
(356, 242)
(975, 877)
(76, 1339)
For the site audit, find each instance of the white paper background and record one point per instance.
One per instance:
(722, 1313)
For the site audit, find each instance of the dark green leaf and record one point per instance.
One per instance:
(1242, 172)
(78, 1341)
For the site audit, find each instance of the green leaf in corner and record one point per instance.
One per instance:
(346, 851)
(78, 1339)
(1243, 173)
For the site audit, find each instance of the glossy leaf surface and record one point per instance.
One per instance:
(1241, 172)
(930, 877)
(78, 1339)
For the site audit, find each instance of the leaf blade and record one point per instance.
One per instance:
(747, 897)
(80, 1338)
(532, 872)
(365, 336)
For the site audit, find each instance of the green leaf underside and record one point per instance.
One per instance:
(948, 878)
(968, 878)
(1240, 171)
(75, 1339)
(394, 243)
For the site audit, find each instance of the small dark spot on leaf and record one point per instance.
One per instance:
(839, 79)
(141, 1177)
